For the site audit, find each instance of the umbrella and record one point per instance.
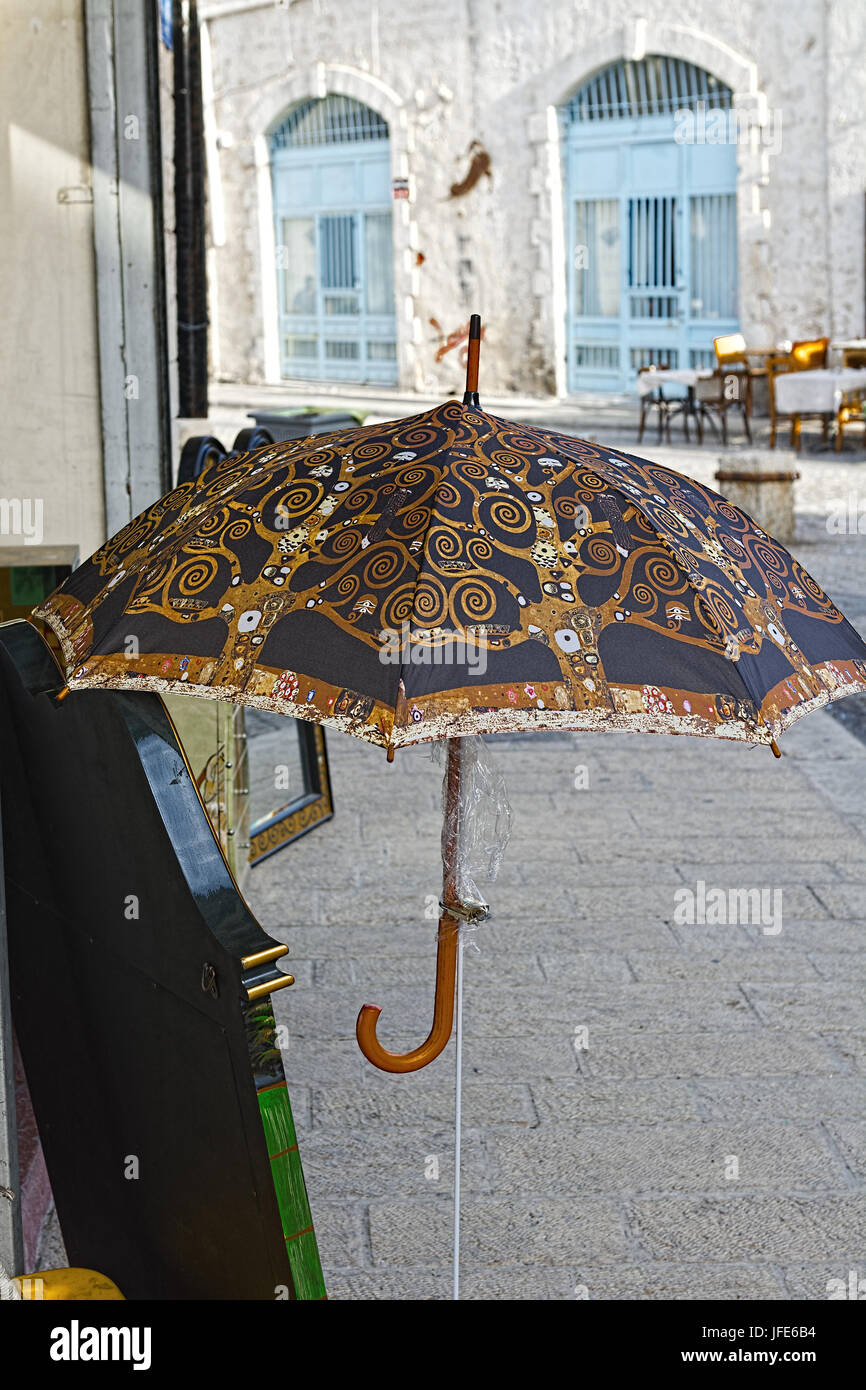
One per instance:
(454, 573)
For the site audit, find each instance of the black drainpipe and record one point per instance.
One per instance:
(189, 204)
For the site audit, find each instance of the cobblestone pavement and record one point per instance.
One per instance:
(707, 1141)
(607, 1170)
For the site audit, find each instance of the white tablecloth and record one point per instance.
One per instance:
(818, 392)
(683, 376)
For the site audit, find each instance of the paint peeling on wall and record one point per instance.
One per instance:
(478, 168)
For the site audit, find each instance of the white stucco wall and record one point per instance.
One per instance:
(51, 448)
(492, 71)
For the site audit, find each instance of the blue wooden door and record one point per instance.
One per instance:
(650, 225)
(332, 206)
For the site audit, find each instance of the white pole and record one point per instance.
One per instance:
(458, 1115)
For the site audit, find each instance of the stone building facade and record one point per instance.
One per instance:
(472, 91)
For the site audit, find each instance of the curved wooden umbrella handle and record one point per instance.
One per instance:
(443, 1012)
(446, 954)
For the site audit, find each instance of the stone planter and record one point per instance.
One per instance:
(761, 484)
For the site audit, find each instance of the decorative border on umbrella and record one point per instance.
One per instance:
(419, 721)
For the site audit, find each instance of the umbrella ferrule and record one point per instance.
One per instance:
(470, 395)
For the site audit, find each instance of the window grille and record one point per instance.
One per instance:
(330, 120)
(657, 85)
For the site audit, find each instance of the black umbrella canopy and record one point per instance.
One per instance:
(456, 573)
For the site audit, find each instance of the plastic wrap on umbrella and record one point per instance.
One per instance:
(476, 827)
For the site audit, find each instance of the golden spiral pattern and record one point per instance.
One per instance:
(526, 446)
(364, 500)
(663, 574)
(420, 437)
(196, 575)
(370, 453)
(509, 515)
(413, 475)
(721, 610)
(731, 513)
(471, 601)
(397, 607)
(768, 557)
(215, 522)
(479, 551)
(447, 496)
(431, 602)
(344, 543)
(645, 597)
(472, 472)
(601, 553)
(443, 544)
(566, 507)
(300, 497)
(417, 519)
(237, 529)
(672, 525)
(502, 458)
(348, 586)
(384, 567)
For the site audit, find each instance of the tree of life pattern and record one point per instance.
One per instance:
(453, 573)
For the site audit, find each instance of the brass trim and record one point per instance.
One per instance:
(270, 987)
(261, 957)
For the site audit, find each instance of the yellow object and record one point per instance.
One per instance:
(73, 1285)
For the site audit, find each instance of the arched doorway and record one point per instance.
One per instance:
(650, 178)
(331, 174)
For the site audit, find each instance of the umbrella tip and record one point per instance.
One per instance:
(777, 752)
(391, 753)
(470, 395)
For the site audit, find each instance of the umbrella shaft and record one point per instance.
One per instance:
(451, 845)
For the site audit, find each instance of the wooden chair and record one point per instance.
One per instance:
(655, 400)
(713, 393)
(850, 412)
(809, 354)
(732, 360)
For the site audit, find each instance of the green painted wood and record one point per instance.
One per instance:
(281, 1141)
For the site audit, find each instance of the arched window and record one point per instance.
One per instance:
(653, 86)
(650, 177)
(330, 120)
(331, 170)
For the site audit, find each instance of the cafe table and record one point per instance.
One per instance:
(689, 407)
(827, 391)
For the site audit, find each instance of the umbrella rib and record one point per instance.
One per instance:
(447, 458)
